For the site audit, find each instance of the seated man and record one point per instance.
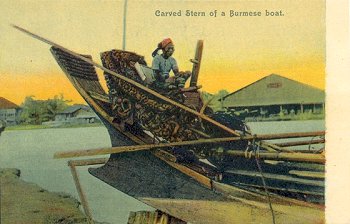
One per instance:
(164, 63)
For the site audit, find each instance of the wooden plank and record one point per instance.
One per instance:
(196, 63)
(309, 142)
(103, 98)
(304, 173)
(270, 146)
(239, 211)
(131, 218)
(291, 135)
(282, 189)
(87, 162)
(278, 177)
(81, 194)
(189, 172)
(164, 219)
(241, 194)
(285, 156)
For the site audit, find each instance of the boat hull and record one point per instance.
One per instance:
(234, 171)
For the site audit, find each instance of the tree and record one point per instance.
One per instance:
(38, 111)
(56, 105)
(221, 94)
(213, 100)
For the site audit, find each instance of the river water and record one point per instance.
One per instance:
(32, 152)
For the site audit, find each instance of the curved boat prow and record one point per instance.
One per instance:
(137, 114)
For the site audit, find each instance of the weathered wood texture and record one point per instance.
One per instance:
(157, 217)
(196, 63)
(81, 193)
(239, 210)
(285, 156)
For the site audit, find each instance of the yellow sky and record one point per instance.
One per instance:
(237, 50)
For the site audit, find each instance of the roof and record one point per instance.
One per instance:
(74, 108)
(91, 115)
(6, 104)
(274, 90)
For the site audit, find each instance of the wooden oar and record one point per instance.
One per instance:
(130, 148)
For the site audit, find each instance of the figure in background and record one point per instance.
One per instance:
(2, 126)
(164, 63)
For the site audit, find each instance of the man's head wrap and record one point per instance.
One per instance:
(162, 45)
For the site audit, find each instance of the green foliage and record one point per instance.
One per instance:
(38, 111)
(213, 100)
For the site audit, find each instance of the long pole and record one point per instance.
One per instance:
(126, 79)
(130, 148)
(285, 156)
(124, 24)
(81, 193)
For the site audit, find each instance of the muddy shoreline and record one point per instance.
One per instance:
(23, 202)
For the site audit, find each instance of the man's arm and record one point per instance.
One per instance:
(158, 75)
(174, 67)
(156, 70)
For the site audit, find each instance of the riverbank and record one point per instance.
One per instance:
(299, 117)
(41, 126)
(23, 202)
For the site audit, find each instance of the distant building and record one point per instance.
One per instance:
(77, 113)
(9, 111)
(276, 95)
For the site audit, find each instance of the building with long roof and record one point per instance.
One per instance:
(9, 111)
(275, 94)
(77, 113)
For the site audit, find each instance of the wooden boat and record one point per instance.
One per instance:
(139, 116)
(167, 145)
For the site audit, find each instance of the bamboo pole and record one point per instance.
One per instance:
(306, 173)
(290, 135)
(87, 162)
(120, 149)
(72, 164)
(296, 157)
(274, 147)
(81, 193)
(132, 148)
(310, 142)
